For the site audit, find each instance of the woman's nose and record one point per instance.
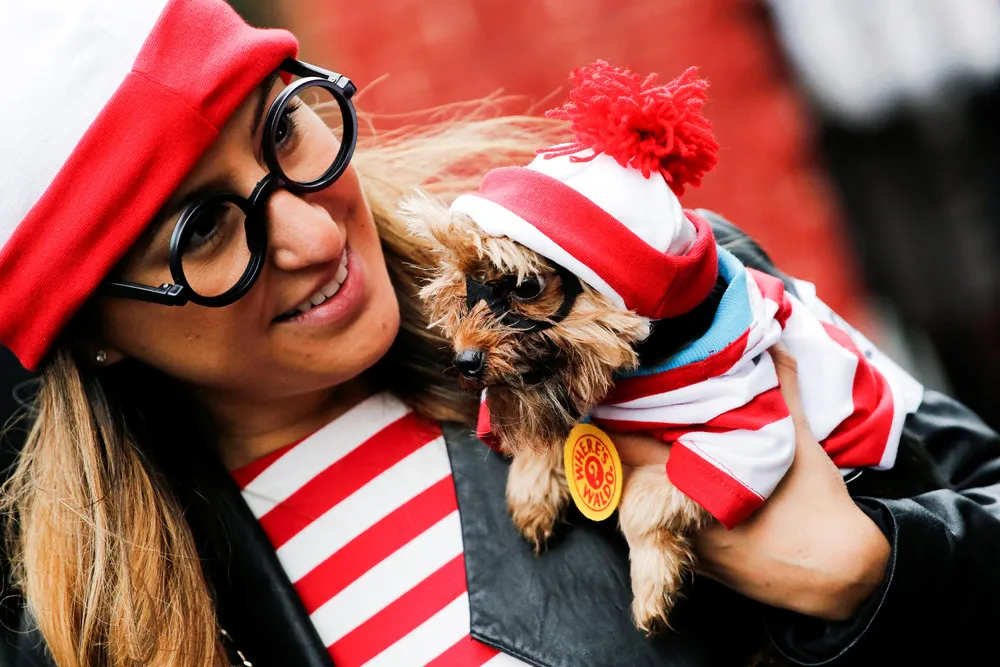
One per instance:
(301, 233)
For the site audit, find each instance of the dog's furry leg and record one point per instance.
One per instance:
(537, 493)
(657, 520)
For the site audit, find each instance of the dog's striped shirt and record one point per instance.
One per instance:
(719, 403)
(718, 400)
(365, 523)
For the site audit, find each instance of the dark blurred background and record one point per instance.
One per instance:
(859, 139)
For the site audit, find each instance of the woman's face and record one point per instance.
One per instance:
(254, 348)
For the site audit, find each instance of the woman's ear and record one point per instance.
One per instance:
(100, 354)
(88, 341)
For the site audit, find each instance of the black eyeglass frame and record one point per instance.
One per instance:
(496, 294)
(180, 292)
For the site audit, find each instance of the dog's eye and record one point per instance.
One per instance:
(529, 288)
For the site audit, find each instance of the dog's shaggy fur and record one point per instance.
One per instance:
(541, 383)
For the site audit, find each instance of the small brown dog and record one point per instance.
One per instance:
(578, 287)
(542, 383)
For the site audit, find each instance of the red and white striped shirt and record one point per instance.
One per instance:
(364, 520)
(719, 403)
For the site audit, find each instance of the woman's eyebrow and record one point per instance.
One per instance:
(263, 92)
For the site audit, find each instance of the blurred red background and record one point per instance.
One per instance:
(432, 52)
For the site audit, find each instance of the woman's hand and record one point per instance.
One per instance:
(809, 549)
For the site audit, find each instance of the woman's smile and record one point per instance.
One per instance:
(338, 297)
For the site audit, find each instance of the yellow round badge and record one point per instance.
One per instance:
(594, 471)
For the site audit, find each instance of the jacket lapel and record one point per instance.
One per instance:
(570, 606)
(257, 604)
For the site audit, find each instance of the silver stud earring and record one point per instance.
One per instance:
(101, 356)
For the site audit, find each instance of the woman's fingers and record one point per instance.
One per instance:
(808, 451)
(788, 377)
(809, 548)
(639, 449)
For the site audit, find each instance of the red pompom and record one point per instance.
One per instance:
(650, 127)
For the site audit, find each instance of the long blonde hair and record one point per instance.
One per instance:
(101, 551)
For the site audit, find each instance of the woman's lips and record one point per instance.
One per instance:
(342, 305)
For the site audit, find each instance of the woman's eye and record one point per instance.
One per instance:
(286, 124)
(206, 227)
(203, 229)
(529, 288)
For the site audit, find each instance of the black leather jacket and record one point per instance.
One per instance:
(939, 604)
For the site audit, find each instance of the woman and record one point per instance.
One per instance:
(243, 443)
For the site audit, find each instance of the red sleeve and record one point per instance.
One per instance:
(483, 429)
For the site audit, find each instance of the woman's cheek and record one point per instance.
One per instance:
(179, 341)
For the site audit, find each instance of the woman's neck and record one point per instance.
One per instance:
(248, 429)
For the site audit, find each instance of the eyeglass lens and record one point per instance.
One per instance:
(215, 249)
(309, 134)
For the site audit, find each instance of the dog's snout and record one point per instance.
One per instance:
(470, 363)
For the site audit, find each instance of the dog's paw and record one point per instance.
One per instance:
(535, 523)
(659, 568)
(656, 520)
(537, 494)
(651, 607)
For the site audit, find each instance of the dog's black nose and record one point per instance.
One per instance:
(470, 363)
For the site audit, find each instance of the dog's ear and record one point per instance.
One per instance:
(450, 233)
(605, 322)
(452, 238)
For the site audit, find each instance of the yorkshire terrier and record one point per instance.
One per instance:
(541, 383)
(551, 341)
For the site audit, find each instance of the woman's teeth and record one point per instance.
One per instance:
(326, 292)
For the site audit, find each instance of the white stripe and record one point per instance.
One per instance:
(757, 459)
(899, 413)
(498, 221)
(700, 402)
(826, 371)
(72, 56)
(319, 451)
(387, 581)
(910, 391)
(647, 207)
(364, 508)
(907, 393)
(764, 329)
(429, 639)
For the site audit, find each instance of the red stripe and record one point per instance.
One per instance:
(651, 282)
(484, 430)
(467, 652)
(724, 497)
(715, 365)
(252, 470)
(376, 544)
(860, 440)
(764, 409)
(370, 459)
(773, 289)
(149, 135)
(402, 616)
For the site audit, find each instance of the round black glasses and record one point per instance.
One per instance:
(219, 244)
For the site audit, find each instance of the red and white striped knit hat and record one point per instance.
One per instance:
(113, 102)
(605, 207)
